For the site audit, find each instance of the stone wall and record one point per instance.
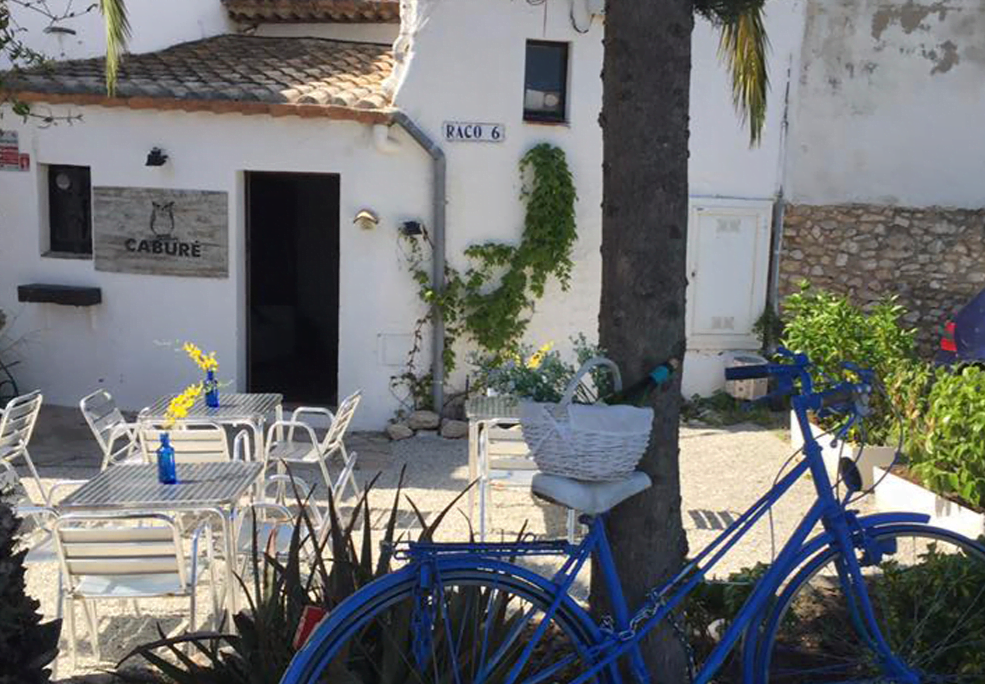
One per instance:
(933, 259)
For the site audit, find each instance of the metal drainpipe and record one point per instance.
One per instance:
(438, 198)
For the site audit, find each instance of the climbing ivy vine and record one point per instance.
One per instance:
(491, 302)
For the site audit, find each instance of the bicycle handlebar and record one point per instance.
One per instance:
(844, 395)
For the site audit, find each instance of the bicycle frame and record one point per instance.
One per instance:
(837, 523)
(839, 528)
(843, 531)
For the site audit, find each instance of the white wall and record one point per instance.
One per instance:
(891, 104)
(722, 162)
(156, 24)
(68, 352)
(466, 63)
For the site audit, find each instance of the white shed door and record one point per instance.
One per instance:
(728, 267)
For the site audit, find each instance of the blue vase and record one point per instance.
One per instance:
(166, 472)
(211, 390)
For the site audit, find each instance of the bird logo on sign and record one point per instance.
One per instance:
(162, 220)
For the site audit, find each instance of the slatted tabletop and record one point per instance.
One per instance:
(136, 487)
(490, 408)
(233, 407)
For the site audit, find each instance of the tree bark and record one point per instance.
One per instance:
(646, 80)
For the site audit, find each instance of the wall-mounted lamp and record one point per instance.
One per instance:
(156, 157)
(412, 228)
(366, 219)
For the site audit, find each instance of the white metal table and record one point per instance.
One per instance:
(235, 408)
(212, 488)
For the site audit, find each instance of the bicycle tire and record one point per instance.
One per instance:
(321, 658)
(808, 636)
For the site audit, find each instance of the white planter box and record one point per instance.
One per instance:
(872, 456)
(895, 493)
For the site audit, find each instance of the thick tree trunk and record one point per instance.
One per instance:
(646, 78)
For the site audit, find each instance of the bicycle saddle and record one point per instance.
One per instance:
(592, 498)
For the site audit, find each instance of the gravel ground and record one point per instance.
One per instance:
(723, 471)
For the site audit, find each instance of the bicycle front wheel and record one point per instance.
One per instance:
(927, 589)
(470, 626)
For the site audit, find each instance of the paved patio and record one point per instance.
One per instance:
(723, 471)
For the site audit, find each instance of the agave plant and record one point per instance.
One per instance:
(278, 589)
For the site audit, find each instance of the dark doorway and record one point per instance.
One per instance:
(292, 258)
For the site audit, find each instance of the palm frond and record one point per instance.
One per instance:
(743, 46)
(117, 37)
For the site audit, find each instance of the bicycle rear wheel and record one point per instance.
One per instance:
(472, 627)
(928, 595)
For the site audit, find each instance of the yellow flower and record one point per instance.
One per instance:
(178, 407)
(537, 357)
(206, 362)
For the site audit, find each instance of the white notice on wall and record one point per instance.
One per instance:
(469, 131)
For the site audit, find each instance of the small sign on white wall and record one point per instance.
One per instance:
(470, 131)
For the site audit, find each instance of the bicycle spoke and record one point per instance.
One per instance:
(927, 599)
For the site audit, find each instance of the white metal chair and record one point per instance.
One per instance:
(129, 556)
(116, 437)
(194, 441)
(276, 516)
(295, 441)
(35, 531)
(276, 509)
(17, 422)
(505, 461)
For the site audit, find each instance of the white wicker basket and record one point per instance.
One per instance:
(591, 443)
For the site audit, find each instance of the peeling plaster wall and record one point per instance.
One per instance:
(890, 104)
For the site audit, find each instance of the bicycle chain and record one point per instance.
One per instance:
(654, 603)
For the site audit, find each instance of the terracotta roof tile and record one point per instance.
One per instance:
(228, 69)
(299, 11)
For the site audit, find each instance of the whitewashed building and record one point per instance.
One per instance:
(280, 146)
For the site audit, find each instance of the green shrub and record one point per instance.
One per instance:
(27, 646)
(947, 450)
(951, 578)
(832, 330)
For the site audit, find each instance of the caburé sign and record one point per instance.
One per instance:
(161, 231)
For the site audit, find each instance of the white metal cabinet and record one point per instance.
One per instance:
(728, 266)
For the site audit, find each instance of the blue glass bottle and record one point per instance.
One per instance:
(211, 390)
(166, 472)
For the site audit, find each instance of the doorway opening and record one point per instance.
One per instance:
(292, 256)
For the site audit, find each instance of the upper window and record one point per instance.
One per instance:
(69, 209)
(546, 85)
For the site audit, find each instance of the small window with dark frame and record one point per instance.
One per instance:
(546, 84)
(69, 209)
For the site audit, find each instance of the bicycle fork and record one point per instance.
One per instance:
(857, 594)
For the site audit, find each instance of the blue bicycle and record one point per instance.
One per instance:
(881, 598)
